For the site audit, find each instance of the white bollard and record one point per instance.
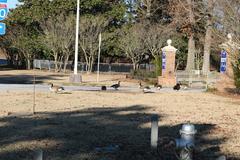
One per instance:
(154, 131)
(38, 155)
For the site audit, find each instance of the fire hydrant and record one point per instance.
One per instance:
(186, 142)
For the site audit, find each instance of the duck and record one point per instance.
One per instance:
(158, 86)
(116, 86)
(177, 87)
(55, 89)
(103, 88)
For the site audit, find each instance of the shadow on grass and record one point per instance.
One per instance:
(76, 135)
(234, 91)
(27, 79)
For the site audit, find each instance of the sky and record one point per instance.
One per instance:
(12, 3)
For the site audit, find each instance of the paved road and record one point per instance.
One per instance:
(45, 88)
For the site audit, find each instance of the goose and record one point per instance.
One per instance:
(177, 87)
(158, 86)
(103, 88)
(55, 89)
(116, 86)
(146, 89)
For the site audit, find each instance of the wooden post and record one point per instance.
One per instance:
(154, 131)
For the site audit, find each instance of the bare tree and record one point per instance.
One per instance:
(66, 38)
(154, 38)
(52, 28)
(145, 7)
(59, 38)
(227, 19)
(90, 29)
(132, 44)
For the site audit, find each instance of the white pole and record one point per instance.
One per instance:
(154, 131)
(99, 52)
(76, 41)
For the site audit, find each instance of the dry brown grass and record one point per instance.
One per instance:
(71, 126)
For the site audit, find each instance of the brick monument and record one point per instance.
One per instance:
(168, 78)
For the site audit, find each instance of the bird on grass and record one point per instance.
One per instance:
(177, 87)
(116, 86)
(56, 89)
(158, 86)
(146, 89)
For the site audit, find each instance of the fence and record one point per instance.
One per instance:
(104, 67)
(3, 62)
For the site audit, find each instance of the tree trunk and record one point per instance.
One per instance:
(207, 43)
(56, 63)
(191, 54)
(65, 63)
(28, 64)
(135, 66)
(90, 65)
(191, 42)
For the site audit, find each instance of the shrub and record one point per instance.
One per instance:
(236, 71)
(142, 74)
(158, 66)
(211, 89)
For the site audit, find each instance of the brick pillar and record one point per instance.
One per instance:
(168, 78)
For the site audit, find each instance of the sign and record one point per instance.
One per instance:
(223, 65)
(2, 28)
(163, 61)
(3, 15)
(3, 11)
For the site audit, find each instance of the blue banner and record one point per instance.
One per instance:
(223, 65)
(163, 61)
(3, 1)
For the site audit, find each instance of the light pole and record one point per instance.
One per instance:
(75, 77)
(77, 38)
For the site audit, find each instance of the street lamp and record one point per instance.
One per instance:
(77, 34)
(75, 77)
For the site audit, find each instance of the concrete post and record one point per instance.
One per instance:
(38, 155)
(154, 131)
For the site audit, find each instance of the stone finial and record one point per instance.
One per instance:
(229, 36)
(169, 42)
(169, 48)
